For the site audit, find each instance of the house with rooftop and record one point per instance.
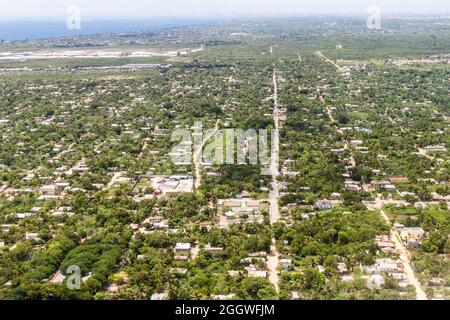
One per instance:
(398, 179)
(380, 184)
(412, 236)
(252, 271)
(172, 185)
(286, 264)
(325, 205)
(49, 190)
(435, 149)
(213, 250)
(375, 281)
(385, 244)
(182, 251)
(386, 265)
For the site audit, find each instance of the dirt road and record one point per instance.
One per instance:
(405, 256)
(198, 156)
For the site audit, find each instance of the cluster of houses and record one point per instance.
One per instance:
(161, 186)
(376, 273)
(150, 225)
(239, 209)
(256, 265)
(385, 266)
(383, 184)
(433, 59)
(185, 251)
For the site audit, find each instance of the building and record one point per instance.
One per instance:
(379, 184)
(295, 295)
(390, 187)
(32, 236)
(182, 251)
(437, 148)
(223, 296)
(23, 215)
(412, 236)
(49, 190)
(236, 210)
(356, 142)
(159, 296)
(213, 250)
(385, 265)
(286, 264)
(253, 272)
(325, 205)
(375, 282)
(342, 268)
(385, 244)
(173, 185)
(398, 179)
(352, 185)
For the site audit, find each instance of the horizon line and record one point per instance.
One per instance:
(231, 16)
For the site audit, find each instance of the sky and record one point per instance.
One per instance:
(210, 8)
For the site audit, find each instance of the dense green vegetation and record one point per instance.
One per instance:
(101, 135)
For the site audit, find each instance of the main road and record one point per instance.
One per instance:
(274, 168)
(274, 212)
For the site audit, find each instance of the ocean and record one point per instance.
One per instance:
(44, 29)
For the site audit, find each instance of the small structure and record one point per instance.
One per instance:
(182, 251)
(390, 187)
(257, 273)
(398, 179)
(32, 236)
(356, 142)
(159, 296)
(386, 265)
(412, 236)
(437, 148)
(173, 185)
(324, 205)
(286, 264)
(223, 296)
(342, 268)
(49, 190)
(375, 282)
(241, 209)
(213, 250)
(378, 184)
(385, 244)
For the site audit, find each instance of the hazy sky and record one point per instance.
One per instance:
(195, 8)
